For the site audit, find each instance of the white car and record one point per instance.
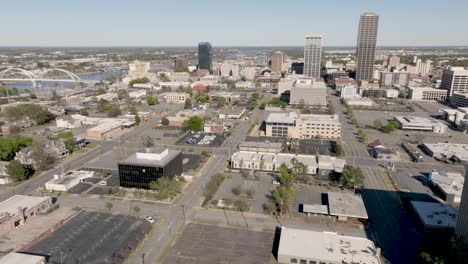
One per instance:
(276, 182)
(102, 183)
(150, 219)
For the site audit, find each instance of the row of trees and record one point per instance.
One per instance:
(388, 128)
(30, 111)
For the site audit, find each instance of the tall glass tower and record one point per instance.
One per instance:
(367, 41)
(205, 56)
(312, 55)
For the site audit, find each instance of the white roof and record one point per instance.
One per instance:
(435, 215)
(15, 258)
(326, 247)
(315, 208)
(346, 204)
(24, 201)
(449, 149)
(449, 182)
(416, 120)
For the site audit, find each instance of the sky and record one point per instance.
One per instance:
(228, 23)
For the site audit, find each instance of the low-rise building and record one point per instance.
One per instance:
(426, 94)
(344, 205)
(4, 177)
(349, 91)
(311, 93)
(234, 112)
(435, 215)
(262, 146)
(306, 247)
(175, 98)
(245, 85)
(67, 180)
(137, 94)
(147, 165)
(450, 184)
(180, 76)
(364, 101)
(15, 210)
(447, 151)
(421, 124)
(302, 126)
(213, 128)
(22, 258)
(229, 97)
(394, 78)
(109, 126)
(328, 164)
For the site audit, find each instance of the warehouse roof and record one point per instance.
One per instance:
(346, 204)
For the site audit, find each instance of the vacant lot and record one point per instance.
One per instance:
(93, 238)
(200, 244)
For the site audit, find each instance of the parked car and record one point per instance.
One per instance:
(102, 183)
(150, 219)
(276, 182)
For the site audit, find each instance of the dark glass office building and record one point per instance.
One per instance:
(297, 67)
(145, 166)
(205, 56)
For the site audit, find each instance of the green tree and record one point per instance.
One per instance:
(166, 187)
(352, 177)
(84, 112)
(150, 100)
(137, 119)
(122, 94)
(31, 111)
(165, 121)
(282, 196)
(141, 80)
(67, 138)
(299, 170)
(114, 111)
(220, 102)
(378, 123)
(255, 96)
(194, 123)
(9, 146)
(16, 171)
(188, 103)
(285, 178)
(338, 150)
(55, 96)
(262, 106)
(390, 127)
(202, 99)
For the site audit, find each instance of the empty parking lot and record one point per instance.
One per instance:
(202, 244)
(93, 238)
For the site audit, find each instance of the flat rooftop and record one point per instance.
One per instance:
(418, 121)
(261, 144)
(20, 258)
(11, 204)
(449, 182)
(151, 157)
(449, 149)
(326, 247)
(346, 204)
(435, 215)
(292, 116)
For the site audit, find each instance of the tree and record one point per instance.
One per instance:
(250, 192)
(16, 171)
(31, 111)
(147, 141)
(299, 171)
(285, 177)
(84, 112)
(43, 159)
(262, 106)
(55, 96)
(202, 99)
(378, 123)
(352, 177)
(140, 80)
(220, 102)
(282, 196)
(255, 96)
(269, 208)
(242, 205)
(122, 94)
(194, 123)
(390, 127)
(165, 121)
(166, 187)
(67, 138)
(109, 205)
(338, 150)
(188, 103)
(354, 121)
(136, 209)
(114, 111)
(9, 146)
(237, 190)
(150, 100)
(137, 119)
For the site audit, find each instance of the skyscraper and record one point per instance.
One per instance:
(367, 41)
(277, 60)
(205, 56)
(312, 55)
(461, 229)
(181, 63)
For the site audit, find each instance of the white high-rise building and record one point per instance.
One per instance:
(312, 55)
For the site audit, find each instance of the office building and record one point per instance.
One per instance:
(301, 126)
(367, 41)
(435, 216)
(426, 94)
(205, 56)
(277, 60)
(181, 63)
(148, 165)
(309, 92)
(394, 78)
(138, 69)
(67, 180)
(459, 99)
(175, 98)
(22, 258)
(312, 55)
(447, 151)
(307, 247)
(454, 80)
(297, 67)
(461, 229)
(393, 61)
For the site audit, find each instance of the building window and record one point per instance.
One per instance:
(312, 262)
(303, 261)
(293, 260)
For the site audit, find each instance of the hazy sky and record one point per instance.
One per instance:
(227, 23)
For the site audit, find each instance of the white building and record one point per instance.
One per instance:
(21, 258)
(349, 91)
(450, 184)
(293, 125)
(137, 94)
(180, 77)
(312, 55)
(67, 180)
(421, 124)
(306, 246)
(175, 98)
(364, 101)
(447, 151)
(312, 93)
(249, 73)
(427, 93)
(455, 79)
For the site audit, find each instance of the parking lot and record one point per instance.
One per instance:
(200, 244)
(201, 140)
(94, 238)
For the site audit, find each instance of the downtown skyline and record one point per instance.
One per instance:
(139, 23)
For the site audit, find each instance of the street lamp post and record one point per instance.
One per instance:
(183, 212)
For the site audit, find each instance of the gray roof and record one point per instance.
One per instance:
(346, 204)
